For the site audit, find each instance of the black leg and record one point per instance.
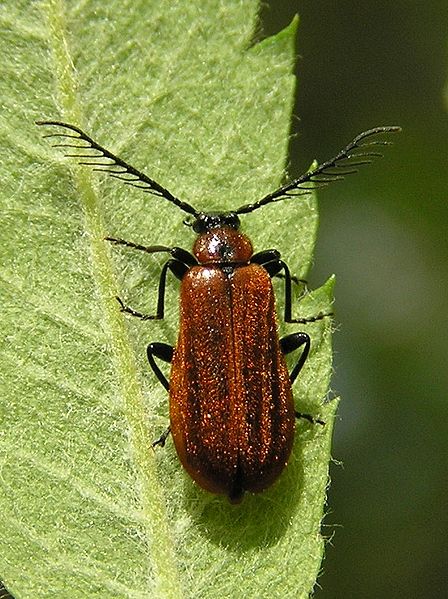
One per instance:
(177, 253)
(288, 300)
(266, 256)
(164, 352)
(289, 344)
(178, 269)
(310, 418)
(132, 312)
(163, 437)
(292, 342)
(179, 264)
(270, 260)
(295, 280)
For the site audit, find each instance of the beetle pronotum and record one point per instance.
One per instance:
(231, 407)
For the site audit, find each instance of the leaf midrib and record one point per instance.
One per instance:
(155, 521)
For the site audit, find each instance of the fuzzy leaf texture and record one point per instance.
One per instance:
(181, 91)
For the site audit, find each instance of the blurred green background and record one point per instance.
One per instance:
(384, 234)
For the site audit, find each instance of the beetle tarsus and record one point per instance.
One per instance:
(308, 319)
(295, 280)
(310, 418)
(162, 439)
(132, 312)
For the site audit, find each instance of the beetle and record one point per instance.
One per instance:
(232, 413)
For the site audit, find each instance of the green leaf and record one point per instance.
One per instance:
(181, 91)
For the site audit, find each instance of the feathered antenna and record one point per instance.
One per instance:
(104, 161)
(335, 169)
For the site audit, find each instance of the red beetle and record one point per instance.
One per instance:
(231, 407)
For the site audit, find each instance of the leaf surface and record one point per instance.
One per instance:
(181, 91)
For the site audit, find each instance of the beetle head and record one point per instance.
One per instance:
(206, 221)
